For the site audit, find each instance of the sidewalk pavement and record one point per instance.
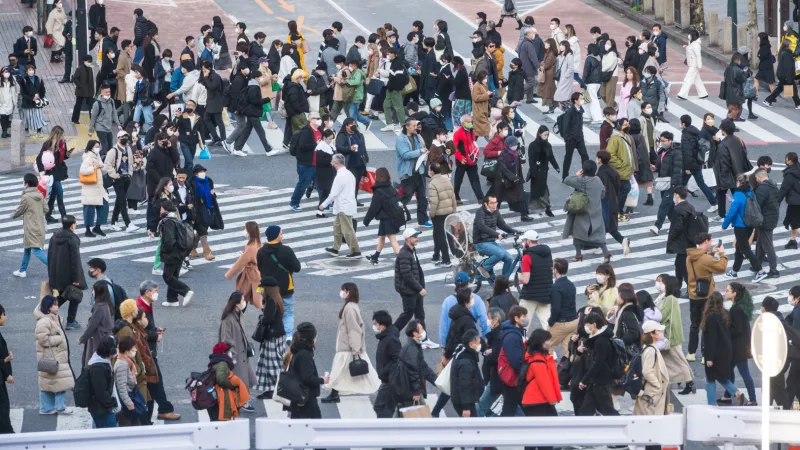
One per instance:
(583, 15)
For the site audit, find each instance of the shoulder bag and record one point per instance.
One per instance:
(557, 76)
(662, 184)
(251, 351)
(578, 201)
(48, 365)
(88, 179)
(288, 274)
(702, 286)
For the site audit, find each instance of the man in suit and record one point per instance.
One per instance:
(26, 47)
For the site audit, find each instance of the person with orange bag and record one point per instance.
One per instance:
(232, 394)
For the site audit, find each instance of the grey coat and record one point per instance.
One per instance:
(564, 84)
(588, 228)
(232, 330)
(100, 325)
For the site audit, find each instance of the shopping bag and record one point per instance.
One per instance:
(367, 181)
(416, 412)
(692, 186)
(443, 380)
(49, 41)
(44, 289)
(175, 110)
(633, 197)
(709, 177)
(788, 91)
(204, 153)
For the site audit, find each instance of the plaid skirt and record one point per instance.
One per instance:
(460, 108)
(269, 363)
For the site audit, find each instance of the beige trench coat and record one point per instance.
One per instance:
(50, 335)
(656, 384)
(32, 208)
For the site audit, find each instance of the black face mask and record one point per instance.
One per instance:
(769, 169)
(189, 110)
(124, 141)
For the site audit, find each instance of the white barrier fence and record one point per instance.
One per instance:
(730, 426)
(233, 435)
(637, 431)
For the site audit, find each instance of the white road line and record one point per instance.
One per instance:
(275, 410)
(777, 119)
(80, 419)
(748, 127)
(16, 419)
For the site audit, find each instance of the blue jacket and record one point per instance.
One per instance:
(177, 80)
(407, 157)
(512, 338)
(736, 211)
(478, 312)
(207, 55)
(661, 43)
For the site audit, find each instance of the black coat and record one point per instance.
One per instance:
(306, 145)
(509, 186)
(159, 165)
(671, 164)
(717, 348)
(731, 160)
(19, 50)
(599, 370)
(398, 77)
(461, 83)
(790, 187)
(236, 91)
(690, 146)
(274, 57)
(316, 84)
(677, 240)
(540, 154)
(767, 196)
(766, 65)
(97, 17)
(488, 225)
(734, 83)
(188, 132)
(739, 325)
(213, 85)
(253, 104)
(466, 383)
(388, 352)
(353, 160)
(170, 253)
(304, 366)
(59, 171)
(267, 266)
(461, 321)
(272, 319)
(592, 70)
(382, 194)
(29, 89)
(84, 81)
(562, 302)
(218, 33)
(610, 178)
(494, 341)
(140, 29)
(444, 84)
(629, 329)
(295, 99)
(708, 134)
(631, 58)
(149, 62)
(515, 90)
(540, 283)
(408, 276)
(64, 258)
(504, 301)
(785, 72)
(572, 128)
(5, 367)
(418, 370)
(101, 380)
(645, 156)
(325, 172)
(142, 92)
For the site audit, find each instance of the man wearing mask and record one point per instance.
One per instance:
(410, 148)
(104, 119)
(386, 357)
(188, 128)
(535, 279)
(555, 31)
(212, 116)
(256, 50)
(669, 164)
(572, 131)
(304, 144)
(84, 87)
(64, 267)
(660, 40)
(119, 164)
(409, 282)
(512, 334)
(678, 241)
(767, 195)
(26, 48)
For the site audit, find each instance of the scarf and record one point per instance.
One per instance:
(131, 364)
(203, 191)
(217, 358)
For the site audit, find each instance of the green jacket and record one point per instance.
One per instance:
(221, 372)
(671, 319)
(357, 79)
(621, 150)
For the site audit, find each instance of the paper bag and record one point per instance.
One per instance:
(44, 289)
(416, 412)
(788, 91)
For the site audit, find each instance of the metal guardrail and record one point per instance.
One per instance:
(233, 435)
(731, 426)
(638, 431)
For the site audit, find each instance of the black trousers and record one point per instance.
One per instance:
(76, 110)
(175, 286)
(511, 399)
(384, 404)
(358, 173)
(777, 389)
(540, 410)
(576, 396)
(743, 250)
(415, 185)
(722, 202)
(571, 146)
(440, 239)
(598, 400)
(5, 410)
(308, 411)
(473, 412)
(121, 186)
(213, 122)
(67, 50)
(72, 311)
(474, 180)
(252, 123)
(213, 413)
(680, 270)
(5, 121)
(158, 395)
(412, 307)
(696, 308)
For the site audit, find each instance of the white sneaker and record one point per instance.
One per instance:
(226, 146)
(157, 272)
(389, 127)
(626, 246)
(188, 298)
(19, 274)
(184, 271)
(398, 128)
(654, 229)
(170, 305)
(238, 153)
(115, 227)
(712, 209)
(428, 344)
(131, 228)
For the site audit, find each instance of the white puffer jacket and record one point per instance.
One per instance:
(694, 55)
(8, 98)
(93, 194)
(130, 86)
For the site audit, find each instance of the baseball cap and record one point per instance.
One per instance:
(651, 325)
(531, 235)
(462, 278)
(410, 232)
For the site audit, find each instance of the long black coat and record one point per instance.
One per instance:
(295, 99)
(766, 65)
(731, 160)
(610, 178)
(466, 383)
(509, 186)
(64, 258)
(677, 241)
(790, 188)
(84, 81)
(159, 165)
(408, 276)
(29, 89)
(540, 154)
(740, 334)
(785, 72)
(645, 157)
(734, 84)
(461, 321)
(515, 91)
(213, 85)
(325, 172)
(716, 346)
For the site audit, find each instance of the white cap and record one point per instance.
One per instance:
(531, 235)
(651, 325)
(410, 232)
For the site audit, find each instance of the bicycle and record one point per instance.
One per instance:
(481, 274)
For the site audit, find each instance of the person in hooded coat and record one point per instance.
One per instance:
(232, 394)
(588, 229)
(540, 157)
(32, 208)
(509, 181)
(52, 343)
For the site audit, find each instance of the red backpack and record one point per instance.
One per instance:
(504, 370)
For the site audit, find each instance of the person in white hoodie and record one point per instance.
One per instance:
(343, 197)
(694, 60)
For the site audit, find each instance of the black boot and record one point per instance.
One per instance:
(48, 217)
(266, 395)
(332, 398)
(549, 212)
(689, 389)
(98, 230)
(649, 201)
(519, 24)
(500, 22)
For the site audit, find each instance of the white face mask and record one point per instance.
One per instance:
(659, 286)
(87, 63)
(154, 296)
(648, 111)
(423, 336)
(106, 97)
(608, 47)
(170, 132)
(376, 330)
(29, 34)
(689, 37)
(133, 353)
(317, 122)
(552, 27)
(475, 40)
(656, 33)
(96, 149)
(641, 52)
(601, 278)
(6, 75)
(727, 304)
(170, 188)
(342, 295)
(588, 329)
(790, 299)
(505, 132)
(201, 175)
(242, 306)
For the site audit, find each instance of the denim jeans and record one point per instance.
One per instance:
(698, 178)
(148, 115)
(665, 208)
(89, 212)
(711, 390)
(352, 109)
(138, 55)
(487, 400)
(624, 190)
(305, 175)
(104, 420)
(288, 314)
(26, 257)
(188, 157)
(744, 371)
(57, 195)
(51, 401)
(496, 253)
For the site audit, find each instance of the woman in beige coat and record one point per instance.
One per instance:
(442, 200)
(266, 91)
(52, 344)
(55, 27)
(246, 267)
(32, 208)
(480, 104)
(94, 197)
(232, 331)
(350, 345)
(653, 399)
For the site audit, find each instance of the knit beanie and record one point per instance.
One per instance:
(272, 233)
(221, 347)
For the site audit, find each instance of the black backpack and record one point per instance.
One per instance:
(184, 236)
(696, 223)
(82, 392)
(119, 296)
(291, 388)
(752, 216)
(619, 359)
(399, 380)
(559, 126)
(226, 92)
(395, 211)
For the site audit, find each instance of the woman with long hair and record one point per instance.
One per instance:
(274, 347)
(9, 90)
(56, 144)
(383, 193)
(232, 330)
(739, 304)
(295, 38)
(694, 59)
(766, 62)
(350, 346)
(33, 91)
(604, 293)
(463, 96)
(224, 61)
(717, 349)
(668, 304)
(245, 269)
(630, 81)
(547, 83)
(565, 66)
(575, 45)
(94, 197)
(735, 217)
(501, 295)
(101, 321)
(300, 361)
(163, 193)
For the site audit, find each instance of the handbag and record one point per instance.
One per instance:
(72, 294)
(48, 41)
(557, 76)
(443, 379)
(578, 202)
(48, 366)
(749, 88)
(375, 86)
(348, 92)
(587, 99)
(662, 184)
(260, 335)
(204, 153)
(410, 87)
(489, 167)
(702, 286)
(88, 179)
(723, 90)
(305, 47)
(139, 404)
(358, 367)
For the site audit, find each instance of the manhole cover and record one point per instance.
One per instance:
(245, 191)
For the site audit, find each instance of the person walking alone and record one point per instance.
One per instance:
(344, 209)
(32, 210)
(409, 282)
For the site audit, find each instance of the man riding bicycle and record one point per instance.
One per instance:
(485, 236)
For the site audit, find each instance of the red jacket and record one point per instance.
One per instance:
(466, 150)
(495, 146)
(542, 378)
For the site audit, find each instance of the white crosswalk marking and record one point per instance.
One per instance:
(274, 409)
(16, 419)
(80, 419)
